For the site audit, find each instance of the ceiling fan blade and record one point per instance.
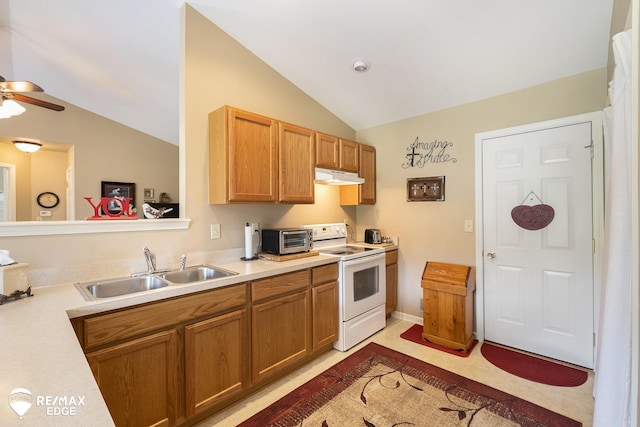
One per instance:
(38, 102)
(19, 87)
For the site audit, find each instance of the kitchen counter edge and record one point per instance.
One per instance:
(42, 354)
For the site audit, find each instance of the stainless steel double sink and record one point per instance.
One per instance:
(92, 291)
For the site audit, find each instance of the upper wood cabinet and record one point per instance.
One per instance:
(243, 157)
(349, 156)
(257, 159)
(297, 160)
(327, 151)
(362, 194)
(336, 153)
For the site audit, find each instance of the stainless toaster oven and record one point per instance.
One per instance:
(283, 241)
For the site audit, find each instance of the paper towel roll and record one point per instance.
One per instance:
(248, 242)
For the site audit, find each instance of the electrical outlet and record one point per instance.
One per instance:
(215, 231)
(255, 227)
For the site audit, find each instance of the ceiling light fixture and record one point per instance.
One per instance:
(10, 108)
(27, 146)
(360, 66)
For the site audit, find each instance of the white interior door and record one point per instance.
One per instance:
(538, 285)
(7, 192)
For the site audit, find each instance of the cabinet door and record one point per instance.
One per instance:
(325, 314)
(297, 159)
(280, 333)
(391, 261)
(216, 360)
(327, 151)
(362, 194)
(368, 172)
(139, 380)
(349, 155)
(392, 288)
(253, 161)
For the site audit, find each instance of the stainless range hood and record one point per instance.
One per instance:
(333, 177)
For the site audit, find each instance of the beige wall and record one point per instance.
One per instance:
(22, 162)
(219, 71)
(103, 151)
(36, 173)
(434, 231)
(48, 174)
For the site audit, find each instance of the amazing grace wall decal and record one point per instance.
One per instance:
(421, 153)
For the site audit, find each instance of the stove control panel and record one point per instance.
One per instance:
(328, 231)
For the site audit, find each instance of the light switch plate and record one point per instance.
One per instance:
(215, 231)
(468, 226)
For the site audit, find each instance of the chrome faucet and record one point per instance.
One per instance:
(150, 257)
(183, 261)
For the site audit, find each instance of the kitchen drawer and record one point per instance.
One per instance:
(325, 273)
(279, 285)
(124, 324)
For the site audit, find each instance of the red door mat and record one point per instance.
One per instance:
(414, 334)
(533, 368)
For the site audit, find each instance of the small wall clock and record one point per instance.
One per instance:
(48, 200)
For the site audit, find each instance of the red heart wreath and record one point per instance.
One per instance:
(533, 217)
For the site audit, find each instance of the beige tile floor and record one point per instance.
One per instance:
(574, 402)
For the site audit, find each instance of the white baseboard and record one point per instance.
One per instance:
(407, 317)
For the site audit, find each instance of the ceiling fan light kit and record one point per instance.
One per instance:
(9, 94)
(27, 146)
(10, 108)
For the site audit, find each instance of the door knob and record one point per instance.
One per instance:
(491, 255)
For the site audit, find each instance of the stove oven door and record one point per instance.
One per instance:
(363, 285)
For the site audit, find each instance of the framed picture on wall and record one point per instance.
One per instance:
(119, 190)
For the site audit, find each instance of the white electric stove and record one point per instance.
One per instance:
(361, 283)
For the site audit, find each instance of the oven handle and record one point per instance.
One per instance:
(365, 260)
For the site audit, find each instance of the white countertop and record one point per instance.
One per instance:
(40, 352)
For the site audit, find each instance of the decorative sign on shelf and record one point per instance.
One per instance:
(113, 207)
(535, 217)
(429, 189)
(422, 153)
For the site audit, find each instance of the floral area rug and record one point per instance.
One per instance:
(377, 386)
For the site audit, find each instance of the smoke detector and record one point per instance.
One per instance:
(360, 66)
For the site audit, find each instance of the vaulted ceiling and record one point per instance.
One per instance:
(120, 58)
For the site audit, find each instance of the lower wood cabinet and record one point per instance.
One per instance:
(280, 334)
(324, 301)
(139, 380)
(217, 360)
(391, 261)
(176, 361)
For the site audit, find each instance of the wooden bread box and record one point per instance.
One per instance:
(448, 291)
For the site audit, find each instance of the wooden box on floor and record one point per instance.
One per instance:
(448, 304)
